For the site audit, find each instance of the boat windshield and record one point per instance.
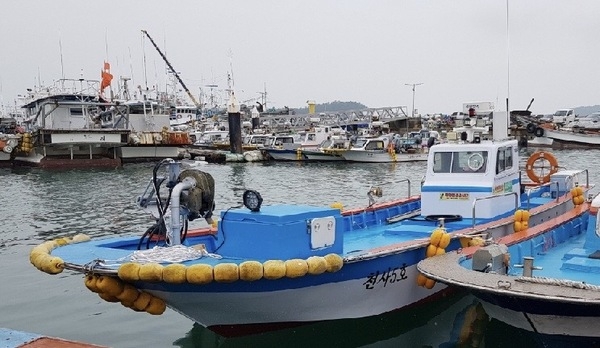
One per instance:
(460, 162)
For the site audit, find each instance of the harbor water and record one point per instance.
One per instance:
(39, 205)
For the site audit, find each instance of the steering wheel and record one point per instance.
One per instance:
(475, 161)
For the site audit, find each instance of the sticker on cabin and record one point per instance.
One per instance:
(502, 188)
(463, 196)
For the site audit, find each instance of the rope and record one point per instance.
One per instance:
(558, 282)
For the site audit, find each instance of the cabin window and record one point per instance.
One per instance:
(460, 162)
(76, 112)
(505, 159)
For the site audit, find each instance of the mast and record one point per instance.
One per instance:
(172, 70)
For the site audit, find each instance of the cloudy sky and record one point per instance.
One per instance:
(365, 51)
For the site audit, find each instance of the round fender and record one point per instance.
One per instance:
(539, 132)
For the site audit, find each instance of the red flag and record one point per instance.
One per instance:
(106, 77)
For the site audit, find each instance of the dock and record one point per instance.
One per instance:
(20, 339)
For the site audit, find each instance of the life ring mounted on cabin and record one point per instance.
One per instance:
(475, 161)
(540, 166)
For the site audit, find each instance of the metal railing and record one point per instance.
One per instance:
(491, 197)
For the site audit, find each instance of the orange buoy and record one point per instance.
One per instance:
(543, 162)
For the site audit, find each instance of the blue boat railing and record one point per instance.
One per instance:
(491, 197)
(529, 190)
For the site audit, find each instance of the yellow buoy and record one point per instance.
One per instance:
(199, 274)
(337, 205)
(579, 190)
(62, 241)
(477, 241)
(295, 268)
(38, 258)
(444, 240)
(440, 251)
(109, 285)
(519, 215)
(421, 279)
(431, 250)
(53, 265)
(156, 306)
(334, 262)
(142, 301)
(316, 265)
(251, 270)
(174, 273)
(108, 298)
(128, 295)
(226, 272)
(525, 215)
(90, 282)
(80, 238)
(151, 272)
(436, 235)
(518, 226)
(429, 283)
(129, 272)
(274, 269)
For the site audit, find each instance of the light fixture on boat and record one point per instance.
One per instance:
(252, 200)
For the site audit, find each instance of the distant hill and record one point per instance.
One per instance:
(586, 110)
(333, 106)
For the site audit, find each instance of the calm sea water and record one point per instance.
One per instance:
(38, 205)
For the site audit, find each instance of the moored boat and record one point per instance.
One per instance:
(64, 128)
(383, 149)
(543, 274)
(264, 267)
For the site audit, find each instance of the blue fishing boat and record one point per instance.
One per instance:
(545, 276)
(266, 266)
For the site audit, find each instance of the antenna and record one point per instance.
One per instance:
(62, 66)
(144, 55)
(507, 62)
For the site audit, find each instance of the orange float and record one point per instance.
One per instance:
(542, 161)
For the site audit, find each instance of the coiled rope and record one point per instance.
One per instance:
(558, 282)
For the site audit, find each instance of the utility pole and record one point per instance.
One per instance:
(413, 85)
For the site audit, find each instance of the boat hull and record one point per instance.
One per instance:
(382, 156)
(544, 317)
(363, 289)
(141, 153)
(573, 140)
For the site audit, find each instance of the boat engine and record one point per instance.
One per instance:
(493, 258)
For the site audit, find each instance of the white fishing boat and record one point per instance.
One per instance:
(383, 149)
(281, 149)
(262, 267)
(63, 127)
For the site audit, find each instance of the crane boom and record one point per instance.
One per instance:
(172, 70)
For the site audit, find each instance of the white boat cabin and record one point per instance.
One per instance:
(458, 174)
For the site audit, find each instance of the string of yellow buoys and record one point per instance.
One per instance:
(40, 256)
(113, 289)
(438, 242)
(229, 272)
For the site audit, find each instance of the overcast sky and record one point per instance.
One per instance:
(364, 51)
